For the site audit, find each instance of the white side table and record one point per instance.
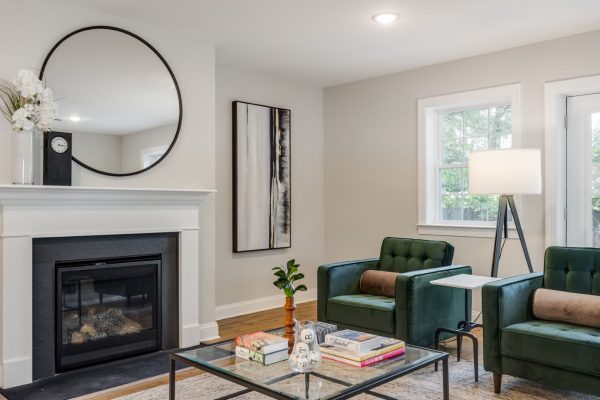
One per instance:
(468, 283)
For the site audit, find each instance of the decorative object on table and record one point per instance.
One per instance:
(358, 342)
(285, 281)
(121, 101)
(388, 348)
(507, 173)
(57, 158)
(261, 347)
(516, 343)
(322, 329)
(261, 177)
(28, 106)
(305, 356)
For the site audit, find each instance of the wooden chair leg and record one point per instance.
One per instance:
(497, 382)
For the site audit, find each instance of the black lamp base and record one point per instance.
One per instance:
(502, 231)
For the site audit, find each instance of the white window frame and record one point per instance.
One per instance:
(429, 148)
(555, 147)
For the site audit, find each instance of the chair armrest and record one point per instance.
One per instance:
(339, 279)
(505, 302)
(421, 307)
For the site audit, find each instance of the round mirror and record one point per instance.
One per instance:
(117, 96)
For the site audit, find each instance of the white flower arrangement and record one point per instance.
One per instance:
(26, 103)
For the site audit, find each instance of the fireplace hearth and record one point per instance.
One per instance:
(106, 309)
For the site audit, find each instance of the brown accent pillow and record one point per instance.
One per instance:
(573, 308)
(378, 283)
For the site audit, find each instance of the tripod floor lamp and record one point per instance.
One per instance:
(506, 173)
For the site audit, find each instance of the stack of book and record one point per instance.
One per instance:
(262, 347)
(360, 349)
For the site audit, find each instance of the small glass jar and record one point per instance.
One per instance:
(305, 356)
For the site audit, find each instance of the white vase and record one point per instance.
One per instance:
(22, 157)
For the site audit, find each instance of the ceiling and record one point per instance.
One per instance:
(328, 42)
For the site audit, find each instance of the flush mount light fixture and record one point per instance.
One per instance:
(385, 18)
(75, 118)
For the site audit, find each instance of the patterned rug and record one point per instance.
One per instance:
(423, 384)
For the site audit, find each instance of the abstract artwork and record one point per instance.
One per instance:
(261, 177)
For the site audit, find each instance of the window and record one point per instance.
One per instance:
(450, 127)
(149, 156)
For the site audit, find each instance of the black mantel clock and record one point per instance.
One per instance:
(57, 158)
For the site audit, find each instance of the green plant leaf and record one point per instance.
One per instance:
(280, 274)
(289, 292)
(301, 288)
(297, 277)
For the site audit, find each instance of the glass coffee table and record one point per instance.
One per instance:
(332, 380)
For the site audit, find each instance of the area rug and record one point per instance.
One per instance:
(423, 384)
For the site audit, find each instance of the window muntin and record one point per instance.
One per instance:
(460, 132)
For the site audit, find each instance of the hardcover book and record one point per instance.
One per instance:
(262, 358)
(364, 363)
(358, 342)
(262, 342)
(388, 345)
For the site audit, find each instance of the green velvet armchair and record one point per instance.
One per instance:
(553, 353)
(418, 308)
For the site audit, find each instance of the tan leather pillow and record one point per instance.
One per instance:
(573, 308)
(378, 283)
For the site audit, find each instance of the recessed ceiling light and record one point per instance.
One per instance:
(385, 18)
(75, 118)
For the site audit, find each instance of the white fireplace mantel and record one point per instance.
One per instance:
(29, 212)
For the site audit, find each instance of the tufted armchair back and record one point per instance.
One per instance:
(572, 269)
(405, 255)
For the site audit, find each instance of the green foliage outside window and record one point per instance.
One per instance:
(462, 132)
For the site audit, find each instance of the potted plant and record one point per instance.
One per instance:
(285, 281)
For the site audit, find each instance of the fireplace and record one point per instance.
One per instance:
(101, 298)
(106, 309)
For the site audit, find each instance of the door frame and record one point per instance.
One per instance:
(555, 147)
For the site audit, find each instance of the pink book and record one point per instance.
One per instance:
(360, 364)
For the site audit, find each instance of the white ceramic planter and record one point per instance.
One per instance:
(22, 158)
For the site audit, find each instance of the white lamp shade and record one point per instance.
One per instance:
(510, 171)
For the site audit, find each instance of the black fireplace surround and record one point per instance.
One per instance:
(98, 298)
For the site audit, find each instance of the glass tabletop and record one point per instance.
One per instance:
(331, 379)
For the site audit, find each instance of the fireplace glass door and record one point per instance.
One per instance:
(106, 309)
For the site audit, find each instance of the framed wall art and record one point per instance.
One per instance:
(262, 215)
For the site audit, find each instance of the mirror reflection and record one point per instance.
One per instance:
(117, 98)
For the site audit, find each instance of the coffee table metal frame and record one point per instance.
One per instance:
(353, 390)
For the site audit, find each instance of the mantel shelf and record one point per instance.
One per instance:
(23, 195)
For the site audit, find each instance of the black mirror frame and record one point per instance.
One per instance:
(112, 28)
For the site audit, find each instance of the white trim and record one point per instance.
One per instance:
(555, 147)
(428, 141)
(476, 231)
(20, 195)
(261, 304)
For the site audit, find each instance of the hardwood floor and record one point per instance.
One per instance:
(264, 320)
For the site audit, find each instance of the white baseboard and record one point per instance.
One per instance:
(261, 304)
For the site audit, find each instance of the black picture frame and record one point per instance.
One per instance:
(167, 66)
(236, 203)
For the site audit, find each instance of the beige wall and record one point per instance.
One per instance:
(132, 144)
(98, 150)
(243, 277)
(371, 147)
